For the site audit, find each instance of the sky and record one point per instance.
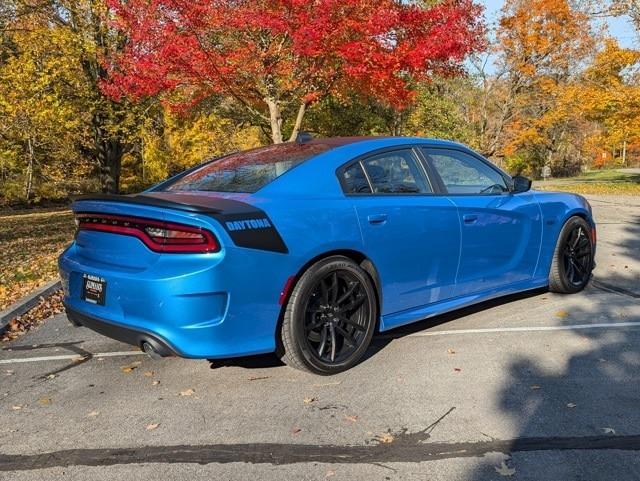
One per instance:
(620, 27)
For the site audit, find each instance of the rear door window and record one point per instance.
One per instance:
(396, 172)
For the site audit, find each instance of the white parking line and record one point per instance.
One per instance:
(70, 357)
(575, 327)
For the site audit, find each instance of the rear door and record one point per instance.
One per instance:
(501, 231)
(411, 235)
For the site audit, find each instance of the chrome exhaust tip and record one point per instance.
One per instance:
(150, 350)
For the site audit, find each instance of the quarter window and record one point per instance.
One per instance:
(396, 172)
(464, 174)
(355, 181)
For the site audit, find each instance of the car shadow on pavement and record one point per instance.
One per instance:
(594, 395)
(381, 340)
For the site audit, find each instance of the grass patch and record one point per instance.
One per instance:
(30, 243)
(611, 182)
(607, 176)
(593, 188)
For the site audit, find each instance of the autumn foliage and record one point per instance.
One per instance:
(278, 57)
(116, 95)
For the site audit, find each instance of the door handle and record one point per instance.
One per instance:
(470, 218)
(377, 218)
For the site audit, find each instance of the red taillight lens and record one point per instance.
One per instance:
(158, 236)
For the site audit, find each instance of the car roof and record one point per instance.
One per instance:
(334, 142)
(316, 176)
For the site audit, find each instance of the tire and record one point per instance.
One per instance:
(330, 317)
(573, 258)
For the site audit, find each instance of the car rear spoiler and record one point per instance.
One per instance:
(187, 202)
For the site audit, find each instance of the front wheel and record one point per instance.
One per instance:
(573, 257)
(330, 318)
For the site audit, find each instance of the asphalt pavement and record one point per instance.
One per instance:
(531, 387)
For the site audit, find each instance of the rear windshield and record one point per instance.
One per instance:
(246, 171)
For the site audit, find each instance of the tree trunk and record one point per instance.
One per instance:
(275, 117)
(108, 151)
(110, 161)
(398, 123)
(29, 180)
(298, 124)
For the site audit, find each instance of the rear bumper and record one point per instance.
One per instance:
(191, 305)
(128, 335)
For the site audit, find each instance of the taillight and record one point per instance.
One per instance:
(158, 236)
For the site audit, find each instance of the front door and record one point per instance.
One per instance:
(501, 231)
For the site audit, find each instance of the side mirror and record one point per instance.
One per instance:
(521, 184)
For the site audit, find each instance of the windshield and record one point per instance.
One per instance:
(246, 171)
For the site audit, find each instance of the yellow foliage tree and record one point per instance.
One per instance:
(609, 94)
(541, 46)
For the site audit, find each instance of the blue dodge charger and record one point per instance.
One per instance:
(308, 248)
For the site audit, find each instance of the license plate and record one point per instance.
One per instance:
(94, 289)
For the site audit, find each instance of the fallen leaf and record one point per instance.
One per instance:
(451, 351)
(155, 383)
(296, 431)
(151, 427)
(17, 407)
(188, 392)
(571, 405)
(561, 314)
(385, 438)
(45, 401)
(608, 430)
(308, 400)
(353, 419)
(128, 369)
(504, 470)
(535, 387)
(148, 373)
(457, 369)
(93, 414)
(326, 384)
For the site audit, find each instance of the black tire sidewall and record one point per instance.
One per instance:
(299, 297)
(569, 226)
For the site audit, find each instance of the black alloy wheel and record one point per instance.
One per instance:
(573, 257)
(330, 317)
(577, 256)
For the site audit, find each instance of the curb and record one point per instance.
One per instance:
(26, 303)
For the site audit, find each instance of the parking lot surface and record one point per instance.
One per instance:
(531, 387)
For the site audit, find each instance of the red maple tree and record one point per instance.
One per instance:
(280, 56)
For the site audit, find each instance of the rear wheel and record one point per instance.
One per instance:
(573, 258)
(330, 317)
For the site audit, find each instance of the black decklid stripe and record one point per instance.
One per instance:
(231, 214)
